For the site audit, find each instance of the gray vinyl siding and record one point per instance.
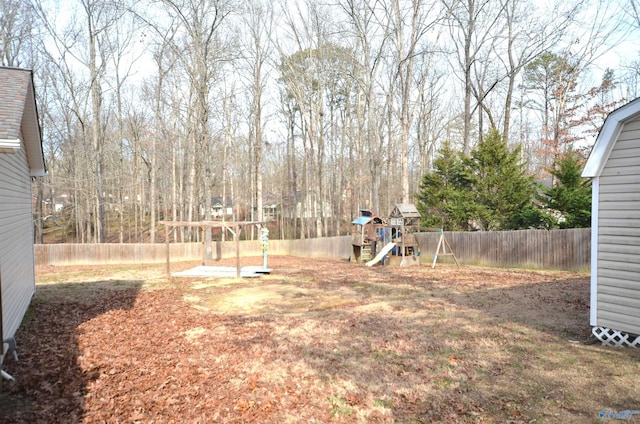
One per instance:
(16, 240)
(619, 234)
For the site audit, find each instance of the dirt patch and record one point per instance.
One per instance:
(278, 299)
(316, 341)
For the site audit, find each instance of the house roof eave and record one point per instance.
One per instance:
(607, 137)
(19, 116)
(33, 141)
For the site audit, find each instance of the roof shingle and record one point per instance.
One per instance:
(14, 86)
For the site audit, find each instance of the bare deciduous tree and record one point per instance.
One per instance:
(364, 102)
(259, 24)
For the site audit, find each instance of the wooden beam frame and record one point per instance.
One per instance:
(234, 226)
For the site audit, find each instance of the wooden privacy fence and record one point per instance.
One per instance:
(124, 253)
(556, 249)
(113, 253)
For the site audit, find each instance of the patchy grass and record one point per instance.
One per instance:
(316, 341)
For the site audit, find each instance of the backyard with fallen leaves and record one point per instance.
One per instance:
(315, 341)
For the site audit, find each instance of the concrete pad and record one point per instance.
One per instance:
(222, 271)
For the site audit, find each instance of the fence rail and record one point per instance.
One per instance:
(556, 249)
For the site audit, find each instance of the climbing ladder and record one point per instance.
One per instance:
(365, 253)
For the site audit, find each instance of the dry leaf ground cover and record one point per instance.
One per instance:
(317, 341)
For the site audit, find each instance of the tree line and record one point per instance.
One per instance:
(303, 112)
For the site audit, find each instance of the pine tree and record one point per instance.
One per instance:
(571, 194)
(500, 186)
(488, 190)
(441, 199)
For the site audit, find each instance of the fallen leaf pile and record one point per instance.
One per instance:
(316, 341)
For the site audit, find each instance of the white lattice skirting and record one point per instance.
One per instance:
(615, 338)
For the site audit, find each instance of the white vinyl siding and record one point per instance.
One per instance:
(16, 240)
(618, 288)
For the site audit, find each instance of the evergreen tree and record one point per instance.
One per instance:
(500, 186)
(441, 199)
(488, 190)
(534, 216)
(571, 194)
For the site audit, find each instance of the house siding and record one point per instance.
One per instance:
(16, 240)
(618, 255)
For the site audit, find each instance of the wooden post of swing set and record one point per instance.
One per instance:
(441, 250)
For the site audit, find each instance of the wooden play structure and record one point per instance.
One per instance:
(404, 223)
(367, 236)
(376, 240)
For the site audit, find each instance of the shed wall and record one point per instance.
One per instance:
(618, 279)
(16, 240)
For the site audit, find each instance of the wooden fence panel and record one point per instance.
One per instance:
(556, 249)
(327, 247)
(113, 253)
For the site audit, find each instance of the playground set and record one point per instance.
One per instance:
(377, 240)
(374, 240)
(393, 241)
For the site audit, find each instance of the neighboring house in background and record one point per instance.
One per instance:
(55, 204)
(219, 208)
(290, 206)
(60, 201)
(21, 158)
(270, 207)
(614, 165)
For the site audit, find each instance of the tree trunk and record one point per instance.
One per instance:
(96, 103)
